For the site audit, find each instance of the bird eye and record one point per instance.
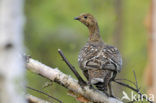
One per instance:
(85, 17)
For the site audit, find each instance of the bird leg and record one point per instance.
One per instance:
(109, 84)
(72, 68)
(110, 90)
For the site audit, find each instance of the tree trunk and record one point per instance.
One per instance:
(11, 63)
(148, 77)
(154, 44)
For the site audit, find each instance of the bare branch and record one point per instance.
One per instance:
(33, 99)
(72, 68)
(126, 85)
(68, 82)
(44, 94)
(136, 81)
(125, 80)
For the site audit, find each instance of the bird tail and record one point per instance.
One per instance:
(102, 86)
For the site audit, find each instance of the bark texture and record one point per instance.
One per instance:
(11, 64)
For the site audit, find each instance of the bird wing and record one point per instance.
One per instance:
(106, 57)
(113, 56)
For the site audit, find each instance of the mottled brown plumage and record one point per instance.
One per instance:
(98, 61)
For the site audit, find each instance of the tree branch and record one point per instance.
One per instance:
(33, 99)
(72, 68)
(44, 94)
(68, 82)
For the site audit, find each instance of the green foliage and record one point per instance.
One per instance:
(50, 25)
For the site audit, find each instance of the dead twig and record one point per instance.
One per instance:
(44, 94)
(72, 68)
(125, 80)
(33, 99)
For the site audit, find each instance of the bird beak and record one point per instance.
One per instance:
(76, 18)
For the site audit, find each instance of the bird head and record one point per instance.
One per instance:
(87, 19)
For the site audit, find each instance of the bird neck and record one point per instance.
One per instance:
(94, 34)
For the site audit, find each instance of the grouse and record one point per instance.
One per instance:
(99, 62)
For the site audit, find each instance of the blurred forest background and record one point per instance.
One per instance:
(50, 25)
